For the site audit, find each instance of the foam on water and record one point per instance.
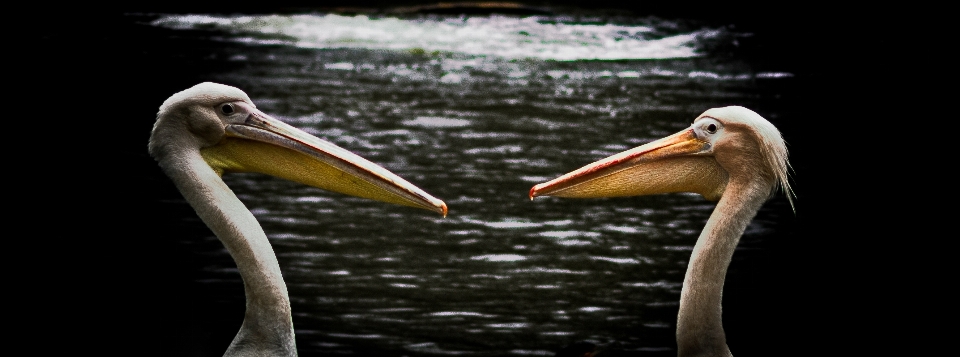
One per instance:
(502, 36)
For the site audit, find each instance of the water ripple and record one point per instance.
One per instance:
(437, 122)
(500, 257)
(617, 260)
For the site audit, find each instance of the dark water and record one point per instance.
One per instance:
(500, 275)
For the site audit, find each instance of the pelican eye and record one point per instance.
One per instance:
(227, 109)
(712, 128)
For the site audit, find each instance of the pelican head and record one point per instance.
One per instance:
(232, 135)
(723, 144)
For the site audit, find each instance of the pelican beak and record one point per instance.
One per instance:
(266, 145)
(681, 162)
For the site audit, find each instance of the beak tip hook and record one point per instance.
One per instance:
(533, 192)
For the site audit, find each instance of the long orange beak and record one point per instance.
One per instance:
(678, 163)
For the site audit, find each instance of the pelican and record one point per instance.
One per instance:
(731, 155)
(211, 129)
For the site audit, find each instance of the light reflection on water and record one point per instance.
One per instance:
(500, 274)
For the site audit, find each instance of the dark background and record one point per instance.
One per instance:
(92, 76)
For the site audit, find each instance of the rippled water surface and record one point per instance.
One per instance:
(476, 110)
